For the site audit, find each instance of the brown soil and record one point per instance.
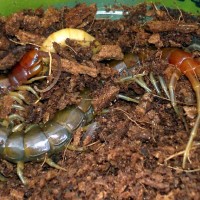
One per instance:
(125, 156)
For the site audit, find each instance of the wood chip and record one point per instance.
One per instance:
(109, 52)
(75, 68)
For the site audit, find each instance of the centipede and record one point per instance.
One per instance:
(42, 141)
(190, 67)
(184, 64)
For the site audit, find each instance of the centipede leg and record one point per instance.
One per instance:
(36, 79)
(162, 83)
(10, 121)
(196, 87)
(2, 178)
(20, 168)
(154, 83)
(18, 127)
(51, 163)
(140, 81)
(15, 116)
(28, 88)
(126, 98)
(164, 86)
(19, 98)
(75, 148)
(191, 139)
(18, 107)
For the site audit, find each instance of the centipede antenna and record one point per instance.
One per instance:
(121, 96)
(30, 89)
(154, 83)
(51, 163)
(20, 168)
(164, 86)
(18, 107)
(18, 127)
(142, 84)
(15, 117)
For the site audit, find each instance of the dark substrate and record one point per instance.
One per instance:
(125, 156)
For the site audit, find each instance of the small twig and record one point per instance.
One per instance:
(71, 48)
(168, 12)
(64, 152)
(128, 116)
(90, 27)
(180, 153)
(23, 44)
(178, 102)
(180, 169)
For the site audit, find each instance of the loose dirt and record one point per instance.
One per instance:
(125, 157)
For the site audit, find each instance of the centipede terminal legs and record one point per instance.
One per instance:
(187, 65)
(196, 86)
